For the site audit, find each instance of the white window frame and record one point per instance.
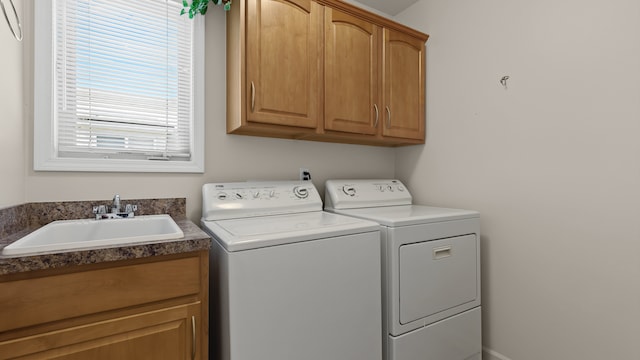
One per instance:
(45, 148)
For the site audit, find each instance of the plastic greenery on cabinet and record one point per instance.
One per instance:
(200, 6)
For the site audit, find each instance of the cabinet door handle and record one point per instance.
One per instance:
(388, 117)
(375, 124)
(253, 96)
(193, 337)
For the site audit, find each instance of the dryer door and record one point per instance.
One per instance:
(437, 275)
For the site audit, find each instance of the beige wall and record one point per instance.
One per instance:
(551, 163)
(12, 149)
(228, 157)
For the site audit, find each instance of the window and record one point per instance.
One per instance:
(118, 86)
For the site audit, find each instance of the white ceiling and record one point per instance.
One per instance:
(391, 7)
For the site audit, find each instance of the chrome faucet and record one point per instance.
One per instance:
(116, 204)
(116, 210)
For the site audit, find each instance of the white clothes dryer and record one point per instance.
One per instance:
(431, 270)
(288, 280)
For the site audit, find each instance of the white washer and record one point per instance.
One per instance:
(288, 280)
(431, 265)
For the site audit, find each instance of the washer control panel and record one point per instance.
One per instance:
(352, 194)
(250, 199)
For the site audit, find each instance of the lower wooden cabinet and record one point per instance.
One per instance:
(172, 325)
(166, 334)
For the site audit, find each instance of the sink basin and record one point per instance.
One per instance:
(69, 235)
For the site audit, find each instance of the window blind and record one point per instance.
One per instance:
(123, 79)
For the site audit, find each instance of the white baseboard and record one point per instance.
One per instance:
(488, 354)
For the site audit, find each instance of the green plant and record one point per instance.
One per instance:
(200, 6)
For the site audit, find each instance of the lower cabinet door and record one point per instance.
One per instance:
(170, 333)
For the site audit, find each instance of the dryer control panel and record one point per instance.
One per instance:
(249, 199)
(354, 194)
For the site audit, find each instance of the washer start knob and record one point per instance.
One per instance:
(349, 190)
(301, 192)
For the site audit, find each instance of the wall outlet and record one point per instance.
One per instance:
(305, 174)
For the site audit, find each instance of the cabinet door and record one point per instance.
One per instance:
(282, 62)
(167, 334)
(404, 86)
(351, 74)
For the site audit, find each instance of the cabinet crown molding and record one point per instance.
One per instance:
(374, 18)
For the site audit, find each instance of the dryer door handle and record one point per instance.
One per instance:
(442, 252)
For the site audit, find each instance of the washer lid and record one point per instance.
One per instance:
(409, 214)
(257, 232)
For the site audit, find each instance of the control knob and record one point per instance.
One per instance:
(349, 190)
(301, 192)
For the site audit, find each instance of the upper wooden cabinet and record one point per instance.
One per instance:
(351, 73)
(323, 70)
(404, 86)
(282, 62)
(273, 66)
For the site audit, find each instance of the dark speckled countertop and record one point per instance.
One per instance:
(18, 221)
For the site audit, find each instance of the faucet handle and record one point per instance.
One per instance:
(130, 208)
(101, 209)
